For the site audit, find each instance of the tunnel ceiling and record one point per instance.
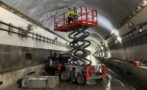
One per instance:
(111, 12)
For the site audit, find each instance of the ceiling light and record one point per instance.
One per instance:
(102, 47)
(119, 39)
(138, 8)
(144, 3)
(130, 24)
(140, 30)
(115, 32)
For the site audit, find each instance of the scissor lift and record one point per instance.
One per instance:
(86, 18)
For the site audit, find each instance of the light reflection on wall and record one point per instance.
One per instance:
(93, 59)
(105, 23)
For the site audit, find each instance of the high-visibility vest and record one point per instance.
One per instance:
(70, 13)
(76, 12)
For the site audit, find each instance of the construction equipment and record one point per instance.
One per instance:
(83, 74)
(86, 18)
(79, 69)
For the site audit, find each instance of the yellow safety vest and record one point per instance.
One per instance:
(70, 13)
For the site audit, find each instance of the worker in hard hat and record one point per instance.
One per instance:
(70, 15)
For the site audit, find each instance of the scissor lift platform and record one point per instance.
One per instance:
(86, 18)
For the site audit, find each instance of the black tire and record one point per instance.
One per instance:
(19, 82)
(99, 80)
(81, 80)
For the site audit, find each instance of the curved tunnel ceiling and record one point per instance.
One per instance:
(111, 12)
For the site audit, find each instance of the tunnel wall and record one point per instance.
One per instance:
(137, 75)
(19, 22)
(133, 47)
(21, 55)
(15, 57)
(17, 51)
(136, 48)
(131, 53)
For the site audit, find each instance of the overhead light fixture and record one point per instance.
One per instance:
(119, 39)
(102, 47)
(115, 32)
(144, 3)
(130, 24)
(138, 8)
(140, 30)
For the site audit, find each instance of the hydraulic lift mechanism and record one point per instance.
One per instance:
(86, 18)
(82, 69)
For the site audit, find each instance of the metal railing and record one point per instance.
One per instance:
(27, 34)
(82, 13)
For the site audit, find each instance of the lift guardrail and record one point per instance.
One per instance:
(85, 17)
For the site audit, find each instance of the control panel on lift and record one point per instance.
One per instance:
(85, 17)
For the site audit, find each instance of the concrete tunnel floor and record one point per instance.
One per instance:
(113, 82)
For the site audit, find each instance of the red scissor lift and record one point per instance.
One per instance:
(85, 18)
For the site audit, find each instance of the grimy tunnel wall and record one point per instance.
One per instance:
(134, 43)
(22, 51)
(133, 47)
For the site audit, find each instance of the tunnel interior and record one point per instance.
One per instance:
(119, 40)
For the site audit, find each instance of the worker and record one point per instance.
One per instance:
(72, 75)
(70, 14)
(75, 17)
(59, 68)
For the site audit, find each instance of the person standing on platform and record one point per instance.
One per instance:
(70, 15)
